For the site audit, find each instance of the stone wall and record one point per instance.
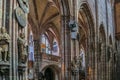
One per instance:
(8, 20)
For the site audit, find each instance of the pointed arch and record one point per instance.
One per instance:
(86, 23)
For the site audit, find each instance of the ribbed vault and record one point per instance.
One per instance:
(43, 12)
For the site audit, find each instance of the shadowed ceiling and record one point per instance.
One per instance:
(43, 12)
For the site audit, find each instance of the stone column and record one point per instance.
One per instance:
(13, 30)
(118, 60)
(1, 12)
(37, 57)
(96, 57)
(66, 48)
(7, 20)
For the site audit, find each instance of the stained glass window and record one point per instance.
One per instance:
(45, 45)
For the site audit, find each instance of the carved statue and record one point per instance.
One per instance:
(80, 59)
(22, 48)
(4, 42)
(109, 53)
(76, 63)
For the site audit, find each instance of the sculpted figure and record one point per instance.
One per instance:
(75, 64)
(5, 38)
(80, 59)
(109, 53)
(22, 53)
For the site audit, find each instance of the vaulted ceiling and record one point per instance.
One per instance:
(43, 12)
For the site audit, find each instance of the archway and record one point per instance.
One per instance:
(53, 72)
(102, 54)
(43, 12)
(87, 38)
(49, 74)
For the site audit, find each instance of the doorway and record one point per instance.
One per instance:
(49, 74)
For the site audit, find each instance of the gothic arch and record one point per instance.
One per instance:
(53, 66)
(56, 32)
(86, 23)
(85, 10)
(102, 52)
(61, 8)
(37, 26)
(56, 70)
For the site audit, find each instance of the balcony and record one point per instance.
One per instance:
(48, 57)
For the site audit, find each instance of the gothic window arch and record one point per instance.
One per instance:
(49, 42)
(45, 44)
